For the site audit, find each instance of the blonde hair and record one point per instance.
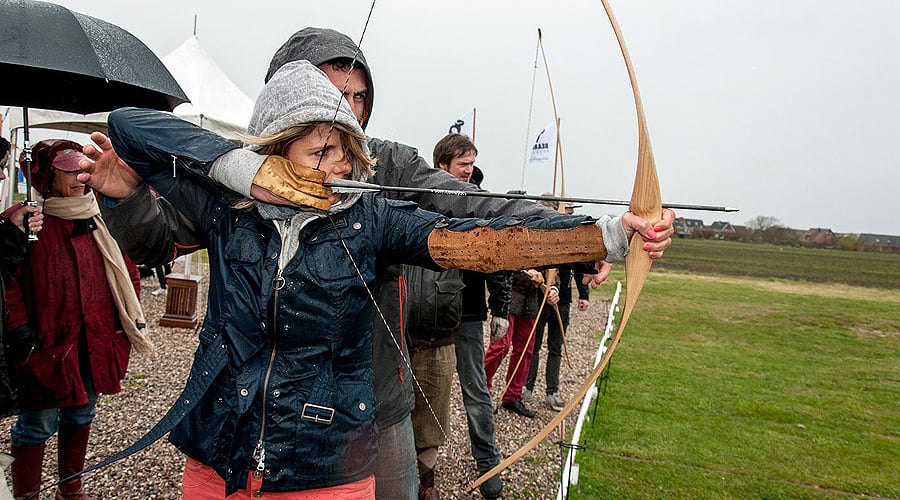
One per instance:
(279, 142)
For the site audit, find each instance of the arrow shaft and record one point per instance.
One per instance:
(346, 186)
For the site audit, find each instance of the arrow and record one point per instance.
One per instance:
(348, 186)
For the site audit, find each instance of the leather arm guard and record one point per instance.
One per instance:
(293, 182)
(514, 248)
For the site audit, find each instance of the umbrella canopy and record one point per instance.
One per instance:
(53, 58)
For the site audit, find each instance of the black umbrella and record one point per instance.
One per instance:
(51, 57)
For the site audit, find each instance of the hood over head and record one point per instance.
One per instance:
(299, 93)
(322, 45)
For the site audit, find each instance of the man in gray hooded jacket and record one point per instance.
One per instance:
(397, 165)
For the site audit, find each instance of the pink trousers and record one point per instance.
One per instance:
(517, 337)
(200, 482)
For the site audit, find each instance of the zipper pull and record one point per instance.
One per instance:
(278, 282)
(173, 165)
(259, 454)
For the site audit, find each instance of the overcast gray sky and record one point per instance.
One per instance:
(783, 108)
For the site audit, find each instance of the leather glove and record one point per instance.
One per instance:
(293, 182)
(499, 326)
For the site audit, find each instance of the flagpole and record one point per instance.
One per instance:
(530, 108)
(557, 153)
(473, 125)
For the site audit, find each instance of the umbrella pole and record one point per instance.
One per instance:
(29, 201)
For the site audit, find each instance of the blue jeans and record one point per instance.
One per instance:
(469, 341)
(396, 476)
(34, 427)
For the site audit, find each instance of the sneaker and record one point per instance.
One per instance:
(518, 406)
(526, 395)
(556, 403)
(158, 292)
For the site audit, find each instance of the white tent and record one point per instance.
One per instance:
(217, 104)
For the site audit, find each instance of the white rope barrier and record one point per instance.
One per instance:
(570, 468)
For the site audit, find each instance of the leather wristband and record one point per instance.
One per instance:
(514, 248)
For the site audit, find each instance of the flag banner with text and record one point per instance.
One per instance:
(544, 147)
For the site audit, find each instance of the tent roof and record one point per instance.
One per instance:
(216, 103)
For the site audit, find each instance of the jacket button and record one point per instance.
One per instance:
(274, 255)
(262, 325)
(276, 393)
(244, 392)
(257, 494)
(229, 471)
(357, 226)
(362, 407)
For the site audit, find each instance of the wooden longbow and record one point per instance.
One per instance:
(646, 202)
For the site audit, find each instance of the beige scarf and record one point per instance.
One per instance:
(131, 314)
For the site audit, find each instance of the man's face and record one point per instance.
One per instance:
(461, 167)
(357, 88)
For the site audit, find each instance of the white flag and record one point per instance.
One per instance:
(464, 125)
(544, 147)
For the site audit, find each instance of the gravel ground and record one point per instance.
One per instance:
(153, 382)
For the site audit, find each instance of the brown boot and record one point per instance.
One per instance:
(73, 443)
(427, 491)
(26, 470)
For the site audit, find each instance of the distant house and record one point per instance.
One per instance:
(819, 237)
(722, 230)
(685, 227)
(879, 242)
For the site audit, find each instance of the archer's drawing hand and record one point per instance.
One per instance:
(283, 182)
(499, 327)
(106, 172)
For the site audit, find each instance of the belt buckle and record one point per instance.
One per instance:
(317, 414)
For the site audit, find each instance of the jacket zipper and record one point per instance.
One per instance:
(259, 454)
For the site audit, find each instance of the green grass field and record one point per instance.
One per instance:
(729, 387)
(869, 269)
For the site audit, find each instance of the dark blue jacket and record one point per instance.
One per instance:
(294, 372)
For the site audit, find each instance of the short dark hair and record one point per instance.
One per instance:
(452, 146)
(4, 147)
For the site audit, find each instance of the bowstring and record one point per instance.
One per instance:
(371, 295)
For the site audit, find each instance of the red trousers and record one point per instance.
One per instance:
(522, 346)
(200, 482)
